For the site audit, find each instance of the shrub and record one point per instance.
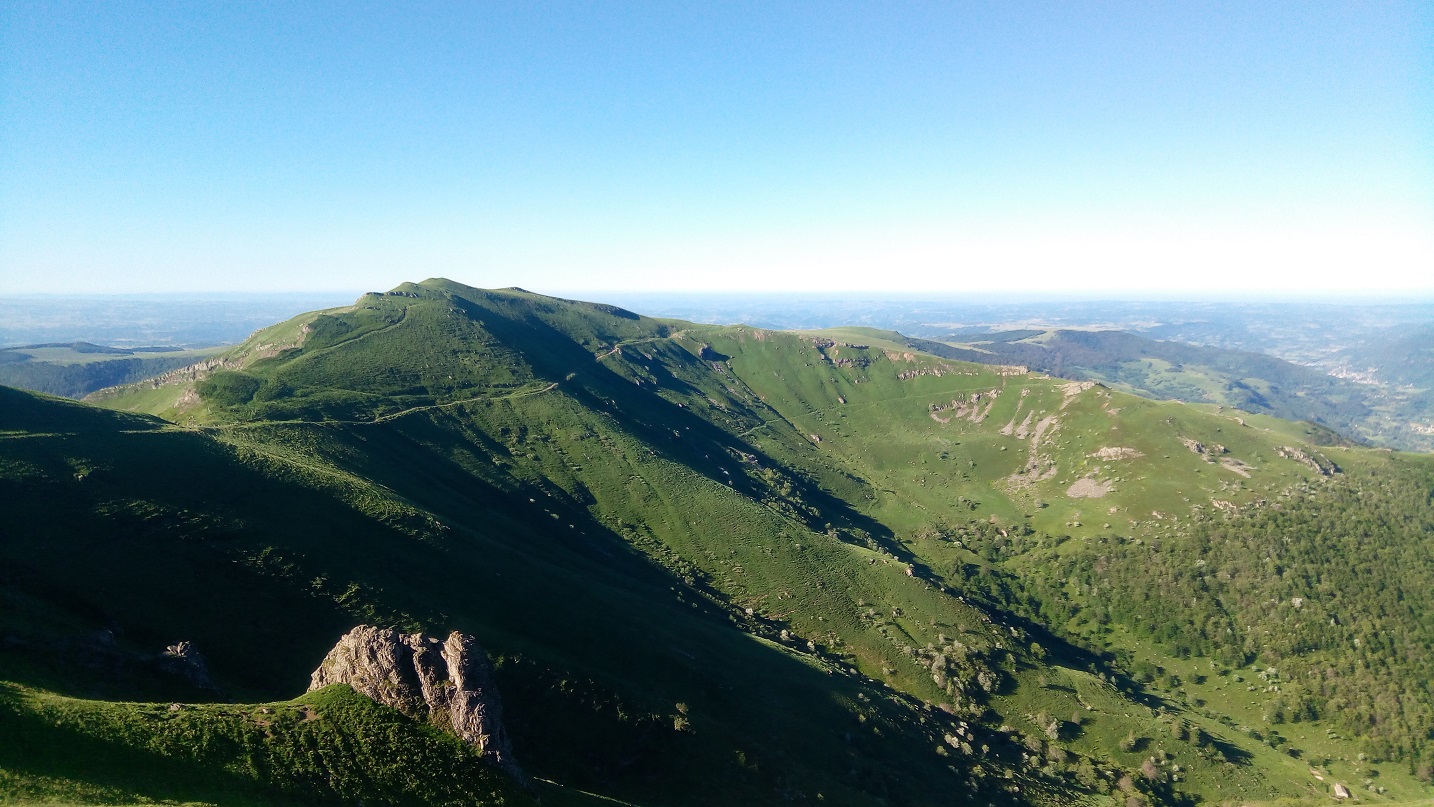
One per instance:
(228, 388)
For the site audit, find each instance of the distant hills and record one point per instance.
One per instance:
(76, 369)
(1254, 382)
(713, 564)
(1388, 400)
(1405, 357)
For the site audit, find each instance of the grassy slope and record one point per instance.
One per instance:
(601, 517)
(328, 747)
(887, 431)
(931, 466)
(1253, 382)
(599, 646)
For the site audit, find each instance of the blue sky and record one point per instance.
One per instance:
(1084, 147)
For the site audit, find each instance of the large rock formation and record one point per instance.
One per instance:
(448, 683)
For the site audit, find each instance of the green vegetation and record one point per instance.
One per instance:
(1253, 382)
(77, 369)
(722, 565)
(1324, 596)
(329, 747)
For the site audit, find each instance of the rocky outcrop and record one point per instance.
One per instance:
(1088, 488)
(184, 661)
(706, 353)
(1315, 462)
(448, 682)
(1117, 453)
(1209, 451)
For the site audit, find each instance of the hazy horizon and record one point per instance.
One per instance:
(197, 319)
(1173, 296)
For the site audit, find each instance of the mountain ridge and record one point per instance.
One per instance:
(721, 519)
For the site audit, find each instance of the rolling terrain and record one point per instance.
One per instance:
(1389, 407)
(76, 369)
(713, 565)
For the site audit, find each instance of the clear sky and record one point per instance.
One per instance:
(1060, 146)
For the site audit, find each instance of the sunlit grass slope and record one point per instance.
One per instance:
(328, 747)
(796, 564)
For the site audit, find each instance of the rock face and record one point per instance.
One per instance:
(448, 683)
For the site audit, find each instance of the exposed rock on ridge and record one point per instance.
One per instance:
(1315, 462)
(448, 683)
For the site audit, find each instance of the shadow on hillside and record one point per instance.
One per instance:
(173, 538)
(38, 748)
(1231, 752)
(86, 665)
(600, 639)
(677, 433)
(797, 733)
(263, 555)
(579, 601)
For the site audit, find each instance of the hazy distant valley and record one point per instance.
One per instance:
(711, 564)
